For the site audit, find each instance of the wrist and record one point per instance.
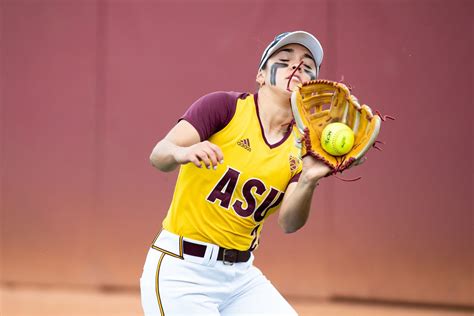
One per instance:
(308, 180)
(177, 154)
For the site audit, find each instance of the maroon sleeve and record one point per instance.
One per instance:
(212, 112)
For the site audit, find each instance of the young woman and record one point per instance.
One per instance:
(239, 161)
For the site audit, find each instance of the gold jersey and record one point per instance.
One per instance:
(228, 206)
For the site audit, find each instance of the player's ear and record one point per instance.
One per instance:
(260, 78)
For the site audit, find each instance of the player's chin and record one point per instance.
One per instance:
(284, 89)
(292, 87)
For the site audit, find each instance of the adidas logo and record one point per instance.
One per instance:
(293, 163)
(245, 143)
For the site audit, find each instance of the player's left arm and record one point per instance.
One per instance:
(296, 204)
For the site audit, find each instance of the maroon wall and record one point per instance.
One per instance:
(88, 88)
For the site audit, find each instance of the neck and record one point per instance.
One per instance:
(275, 111)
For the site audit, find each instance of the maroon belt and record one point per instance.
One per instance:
(228, 256)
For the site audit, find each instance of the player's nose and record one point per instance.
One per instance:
(297, 66)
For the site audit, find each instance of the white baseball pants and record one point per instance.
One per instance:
(174, 283)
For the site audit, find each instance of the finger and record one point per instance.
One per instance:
(217, 152)
(202, 155)
(195, 161)
(212, 157)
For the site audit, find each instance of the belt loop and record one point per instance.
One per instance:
(210, 257)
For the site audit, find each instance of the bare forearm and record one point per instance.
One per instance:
(163, 156)
(168, 154)
(295, 210)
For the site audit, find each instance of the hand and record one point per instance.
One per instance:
(203, 152)
(313, 170)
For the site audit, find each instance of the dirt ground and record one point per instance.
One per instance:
(21, 301)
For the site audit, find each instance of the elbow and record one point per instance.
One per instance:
(289, 228)
(155, 162)
(161, 157)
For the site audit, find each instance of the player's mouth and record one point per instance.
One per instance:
(294, 77)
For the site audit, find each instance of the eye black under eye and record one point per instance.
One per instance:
(310, 74)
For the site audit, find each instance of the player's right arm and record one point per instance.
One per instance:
(183, 145)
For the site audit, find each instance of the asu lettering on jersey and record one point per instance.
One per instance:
(228, 206)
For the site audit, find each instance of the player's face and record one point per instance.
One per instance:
(283, 63)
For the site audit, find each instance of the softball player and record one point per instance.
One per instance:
(239, 162)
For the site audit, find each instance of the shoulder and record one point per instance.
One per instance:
(225, 98)
(213, 111)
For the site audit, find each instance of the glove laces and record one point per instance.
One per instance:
(375, 145)
(340, 168)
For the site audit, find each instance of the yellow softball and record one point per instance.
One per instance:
(337, 139)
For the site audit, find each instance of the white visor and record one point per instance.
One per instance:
(296, 37)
